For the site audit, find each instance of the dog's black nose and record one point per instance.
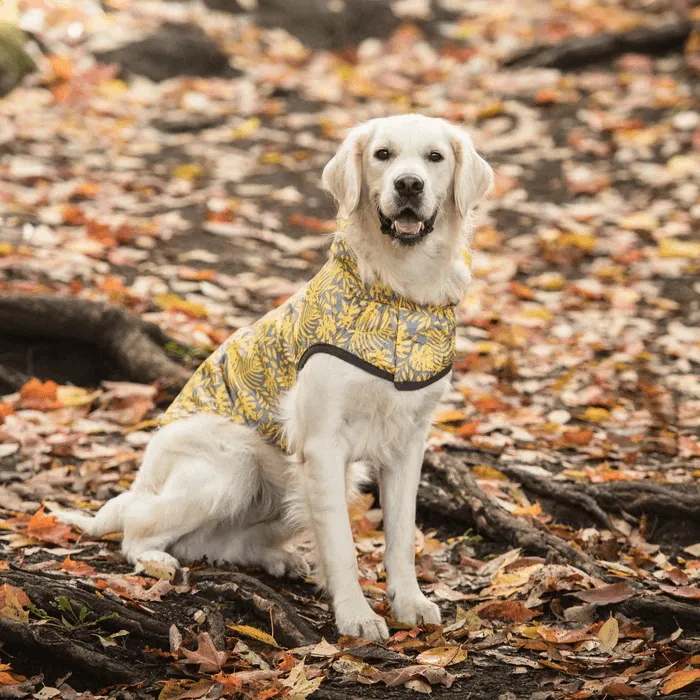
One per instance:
(408, 185)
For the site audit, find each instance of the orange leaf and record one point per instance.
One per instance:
(312, 224)
(41, 396)
(12, 602)
(679, 680)
(5, 410)
(468, 429)
(62, 67)
(489, 404)
(578, 437)
(450, 416)
(78, 568)
(49, 529)
(617, 689)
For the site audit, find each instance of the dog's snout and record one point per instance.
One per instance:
(408, 185)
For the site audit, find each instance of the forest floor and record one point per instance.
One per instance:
(559, 516)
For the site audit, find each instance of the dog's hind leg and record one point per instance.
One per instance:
(109, 518)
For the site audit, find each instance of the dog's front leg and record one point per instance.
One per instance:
(399, 486)
(324, 485)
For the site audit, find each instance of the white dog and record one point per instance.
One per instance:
(271, 433)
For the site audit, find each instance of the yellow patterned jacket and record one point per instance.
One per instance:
(369, 326)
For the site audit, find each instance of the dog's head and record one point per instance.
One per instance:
(404, 174)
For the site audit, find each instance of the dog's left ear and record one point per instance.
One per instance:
(342, 177)
(473, 175)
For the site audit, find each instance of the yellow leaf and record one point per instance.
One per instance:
(12, 602)
(596, 415)
(680, 680)
(442, 656)
(492, 110)
(6, 249)
(484, 471)
(300, 687)
(75, 396)
(112, 88)
(247, 128)
(608, 635)
(451, 416)
(640, 221)
(255, 633)
(584, 241)
(271, 158)
(172, 302)
(189, 172)
(672, 248)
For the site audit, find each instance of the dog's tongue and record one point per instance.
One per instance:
(406, 225)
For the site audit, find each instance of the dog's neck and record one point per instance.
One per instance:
(432, 272)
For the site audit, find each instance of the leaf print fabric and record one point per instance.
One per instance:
(370, 326)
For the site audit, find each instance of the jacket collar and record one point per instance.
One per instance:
(344, 256)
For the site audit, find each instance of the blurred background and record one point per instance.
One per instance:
(165, 157)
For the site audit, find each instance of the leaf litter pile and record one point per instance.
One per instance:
(559, 513)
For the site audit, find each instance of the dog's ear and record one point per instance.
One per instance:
(473, 175)
(342, 177)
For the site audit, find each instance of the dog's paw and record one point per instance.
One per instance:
(280, 563)
(159, 564)
(415, 610)
(361, 623)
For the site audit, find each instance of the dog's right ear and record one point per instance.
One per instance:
(342, 177)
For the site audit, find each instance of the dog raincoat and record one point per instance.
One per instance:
(369, 326)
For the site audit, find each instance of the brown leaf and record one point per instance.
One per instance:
(206, 655)
(504, 610)
(432, 674)
(605, 595)
(181, 689)
(618, 689)
(680, 679)
(692, 592)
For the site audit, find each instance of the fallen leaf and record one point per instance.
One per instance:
(504, 610)
(12, 602)
(432, 674)
(38, 395)
(442, 656)
(679, 680)
(300, 686)
(609, 635)
(618, 689)
(692, 592)
(182, 689)
(206, 655)
(77, 568)
(254, 633)
(48, 528)
(158, 569)
(605, 595)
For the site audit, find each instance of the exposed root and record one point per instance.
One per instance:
(134, 345)
(638, 497)
(267, 605)
(495, 522)
(582, 51)
(647, 607)
(560, 492)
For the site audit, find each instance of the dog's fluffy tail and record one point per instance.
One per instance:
(109, 518)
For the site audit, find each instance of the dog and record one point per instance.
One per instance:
(288, 418)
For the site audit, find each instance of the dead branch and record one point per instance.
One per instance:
(495, 522)
(55, 645)
(133, 344)
(267, 605)
(649, 606)
(582, 51)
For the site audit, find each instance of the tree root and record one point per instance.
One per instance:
(55, 645)
(649, 606)
(133, 344)
(582, 51)
(560, 492)
(43, 588)
(495, 522)
(638, 497)
(11, 379)
(267, 605)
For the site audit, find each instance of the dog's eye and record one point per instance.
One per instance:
(435, 157)
(382, 154)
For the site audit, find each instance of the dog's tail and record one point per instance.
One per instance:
(109, 518)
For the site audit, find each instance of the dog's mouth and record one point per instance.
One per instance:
(407, 228)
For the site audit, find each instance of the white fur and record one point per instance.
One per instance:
(208, 487)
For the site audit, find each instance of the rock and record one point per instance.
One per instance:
(15, 63)
(175, 49)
